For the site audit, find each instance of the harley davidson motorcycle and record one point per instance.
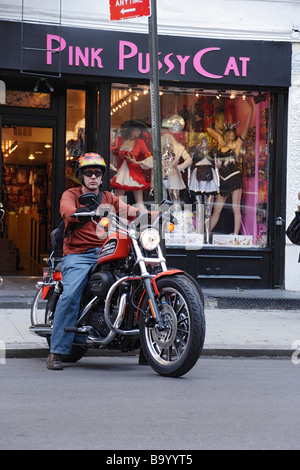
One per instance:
(131, 301)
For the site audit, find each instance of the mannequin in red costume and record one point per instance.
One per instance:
(133, 157)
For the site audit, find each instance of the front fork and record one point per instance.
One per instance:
(152, 303)
(142, 261)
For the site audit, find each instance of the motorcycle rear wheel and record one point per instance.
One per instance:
(39, 309)
(173, 351)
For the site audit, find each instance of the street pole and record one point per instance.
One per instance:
(155, 104)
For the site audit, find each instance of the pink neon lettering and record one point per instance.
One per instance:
(159, 62)
(70, 55)
(84, 57)
(244, 61)
(62, 44)
(169, 63)
(182, 61)
(197, 62)
(231, 65)
(95, 56)
(122, 55)
(140, 63)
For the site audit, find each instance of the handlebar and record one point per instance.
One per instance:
(141, 221)
(96, 215)
(84, 214)
(162, 217)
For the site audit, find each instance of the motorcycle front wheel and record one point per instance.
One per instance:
(175, 349)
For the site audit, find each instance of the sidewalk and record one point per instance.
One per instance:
(230, 331)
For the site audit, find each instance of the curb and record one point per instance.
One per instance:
(240, 352)
(35, 353)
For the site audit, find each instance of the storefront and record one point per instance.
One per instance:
(77, 89)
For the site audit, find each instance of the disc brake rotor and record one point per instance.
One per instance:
(165, 338)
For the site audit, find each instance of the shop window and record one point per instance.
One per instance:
(27, 99)
(215, 161)
(75, 133)
(131, 139)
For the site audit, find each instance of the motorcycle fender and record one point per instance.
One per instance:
(170, 272)
(45, 290)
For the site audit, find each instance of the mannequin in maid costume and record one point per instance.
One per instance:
(133, 157)
(229, 146)
(175, 160)
(204, 182)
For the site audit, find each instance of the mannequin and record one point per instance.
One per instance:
(173, 152)
(204, 178)
(204, 183)
(229, 146)
(133, 156)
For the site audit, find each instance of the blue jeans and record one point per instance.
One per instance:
(75, 268)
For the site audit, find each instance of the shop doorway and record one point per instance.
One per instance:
(26, 179)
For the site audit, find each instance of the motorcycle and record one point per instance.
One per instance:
(131, 300)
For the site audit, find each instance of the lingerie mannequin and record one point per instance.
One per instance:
(133, 156)
(173, 152)
(204, 183)
(204, 178)
(229, 147)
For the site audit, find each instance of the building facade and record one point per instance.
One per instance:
(74, 81)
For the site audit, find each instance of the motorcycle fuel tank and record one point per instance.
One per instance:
(115, 247)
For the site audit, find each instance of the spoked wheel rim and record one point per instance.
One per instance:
(169, 345)
(40, 310)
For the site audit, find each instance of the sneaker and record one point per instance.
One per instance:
(54, 362)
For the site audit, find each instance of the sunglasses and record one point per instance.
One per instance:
(90, 173)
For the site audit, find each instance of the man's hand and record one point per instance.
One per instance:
(82, 218)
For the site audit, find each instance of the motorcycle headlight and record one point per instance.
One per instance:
(150, 239)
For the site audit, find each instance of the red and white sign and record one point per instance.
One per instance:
(124, 9)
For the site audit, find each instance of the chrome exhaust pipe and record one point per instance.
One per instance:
(41, 330)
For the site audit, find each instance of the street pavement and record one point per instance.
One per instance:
(229, 331)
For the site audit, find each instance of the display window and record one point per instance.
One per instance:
(215, 161)
(75, 133)
(27, 99)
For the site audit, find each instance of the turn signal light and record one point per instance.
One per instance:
(104, 222)
(170, 227)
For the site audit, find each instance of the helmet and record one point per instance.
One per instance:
(90, 159)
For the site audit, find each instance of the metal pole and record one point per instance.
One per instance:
(155, 104)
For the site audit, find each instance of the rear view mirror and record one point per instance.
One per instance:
(88, 199)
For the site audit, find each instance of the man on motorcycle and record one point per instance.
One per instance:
(81, 249)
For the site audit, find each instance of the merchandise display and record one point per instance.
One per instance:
(214, 168)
